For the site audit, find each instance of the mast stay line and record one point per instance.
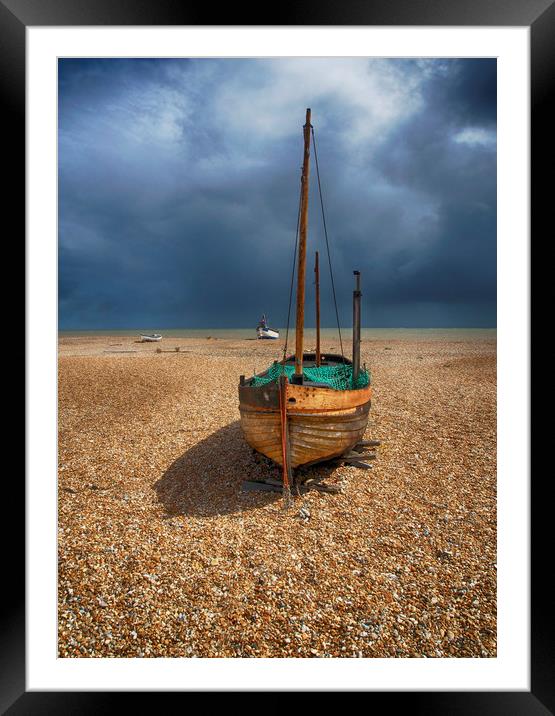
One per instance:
(327, 243)
(299, 258)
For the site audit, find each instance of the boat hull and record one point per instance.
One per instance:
(322, 423)
(267, 333)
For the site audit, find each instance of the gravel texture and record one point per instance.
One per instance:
(161, 554)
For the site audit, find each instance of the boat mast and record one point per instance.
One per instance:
(301, 270)
(317, 281)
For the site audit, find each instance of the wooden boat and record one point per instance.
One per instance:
(148, 337)
(308, 407)
(264, 331)
(322, 423)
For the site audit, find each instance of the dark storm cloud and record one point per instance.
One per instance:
(468, 93)
(179, 181)
(448, 154)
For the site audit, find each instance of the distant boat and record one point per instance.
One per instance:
(308, 407)
(264, 331)
(149, 337)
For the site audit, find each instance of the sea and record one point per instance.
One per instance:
(383, 334)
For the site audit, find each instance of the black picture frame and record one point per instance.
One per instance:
(539, 16)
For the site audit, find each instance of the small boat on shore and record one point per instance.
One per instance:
(264, 331)
(308, 407)
(150, 337)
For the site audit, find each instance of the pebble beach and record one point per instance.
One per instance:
(161, 553)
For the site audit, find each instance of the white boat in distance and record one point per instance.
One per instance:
(264, 331)
(150, 337)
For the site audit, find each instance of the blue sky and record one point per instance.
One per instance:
(179, 183)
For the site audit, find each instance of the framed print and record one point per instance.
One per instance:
(423, 582)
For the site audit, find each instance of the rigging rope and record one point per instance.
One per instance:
(327, 251)
(327, 243)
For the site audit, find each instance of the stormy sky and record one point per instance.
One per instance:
(179, 187)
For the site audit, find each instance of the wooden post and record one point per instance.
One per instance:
(317, 272)
(356, 327)
(285, 447)
(301, 270)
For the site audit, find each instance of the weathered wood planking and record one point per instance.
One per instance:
(312, 437)
(322, 423)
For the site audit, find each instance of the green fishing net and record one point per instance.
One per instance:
(337, 377)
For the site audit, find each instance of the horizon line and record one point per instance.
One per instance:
(242, 328)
